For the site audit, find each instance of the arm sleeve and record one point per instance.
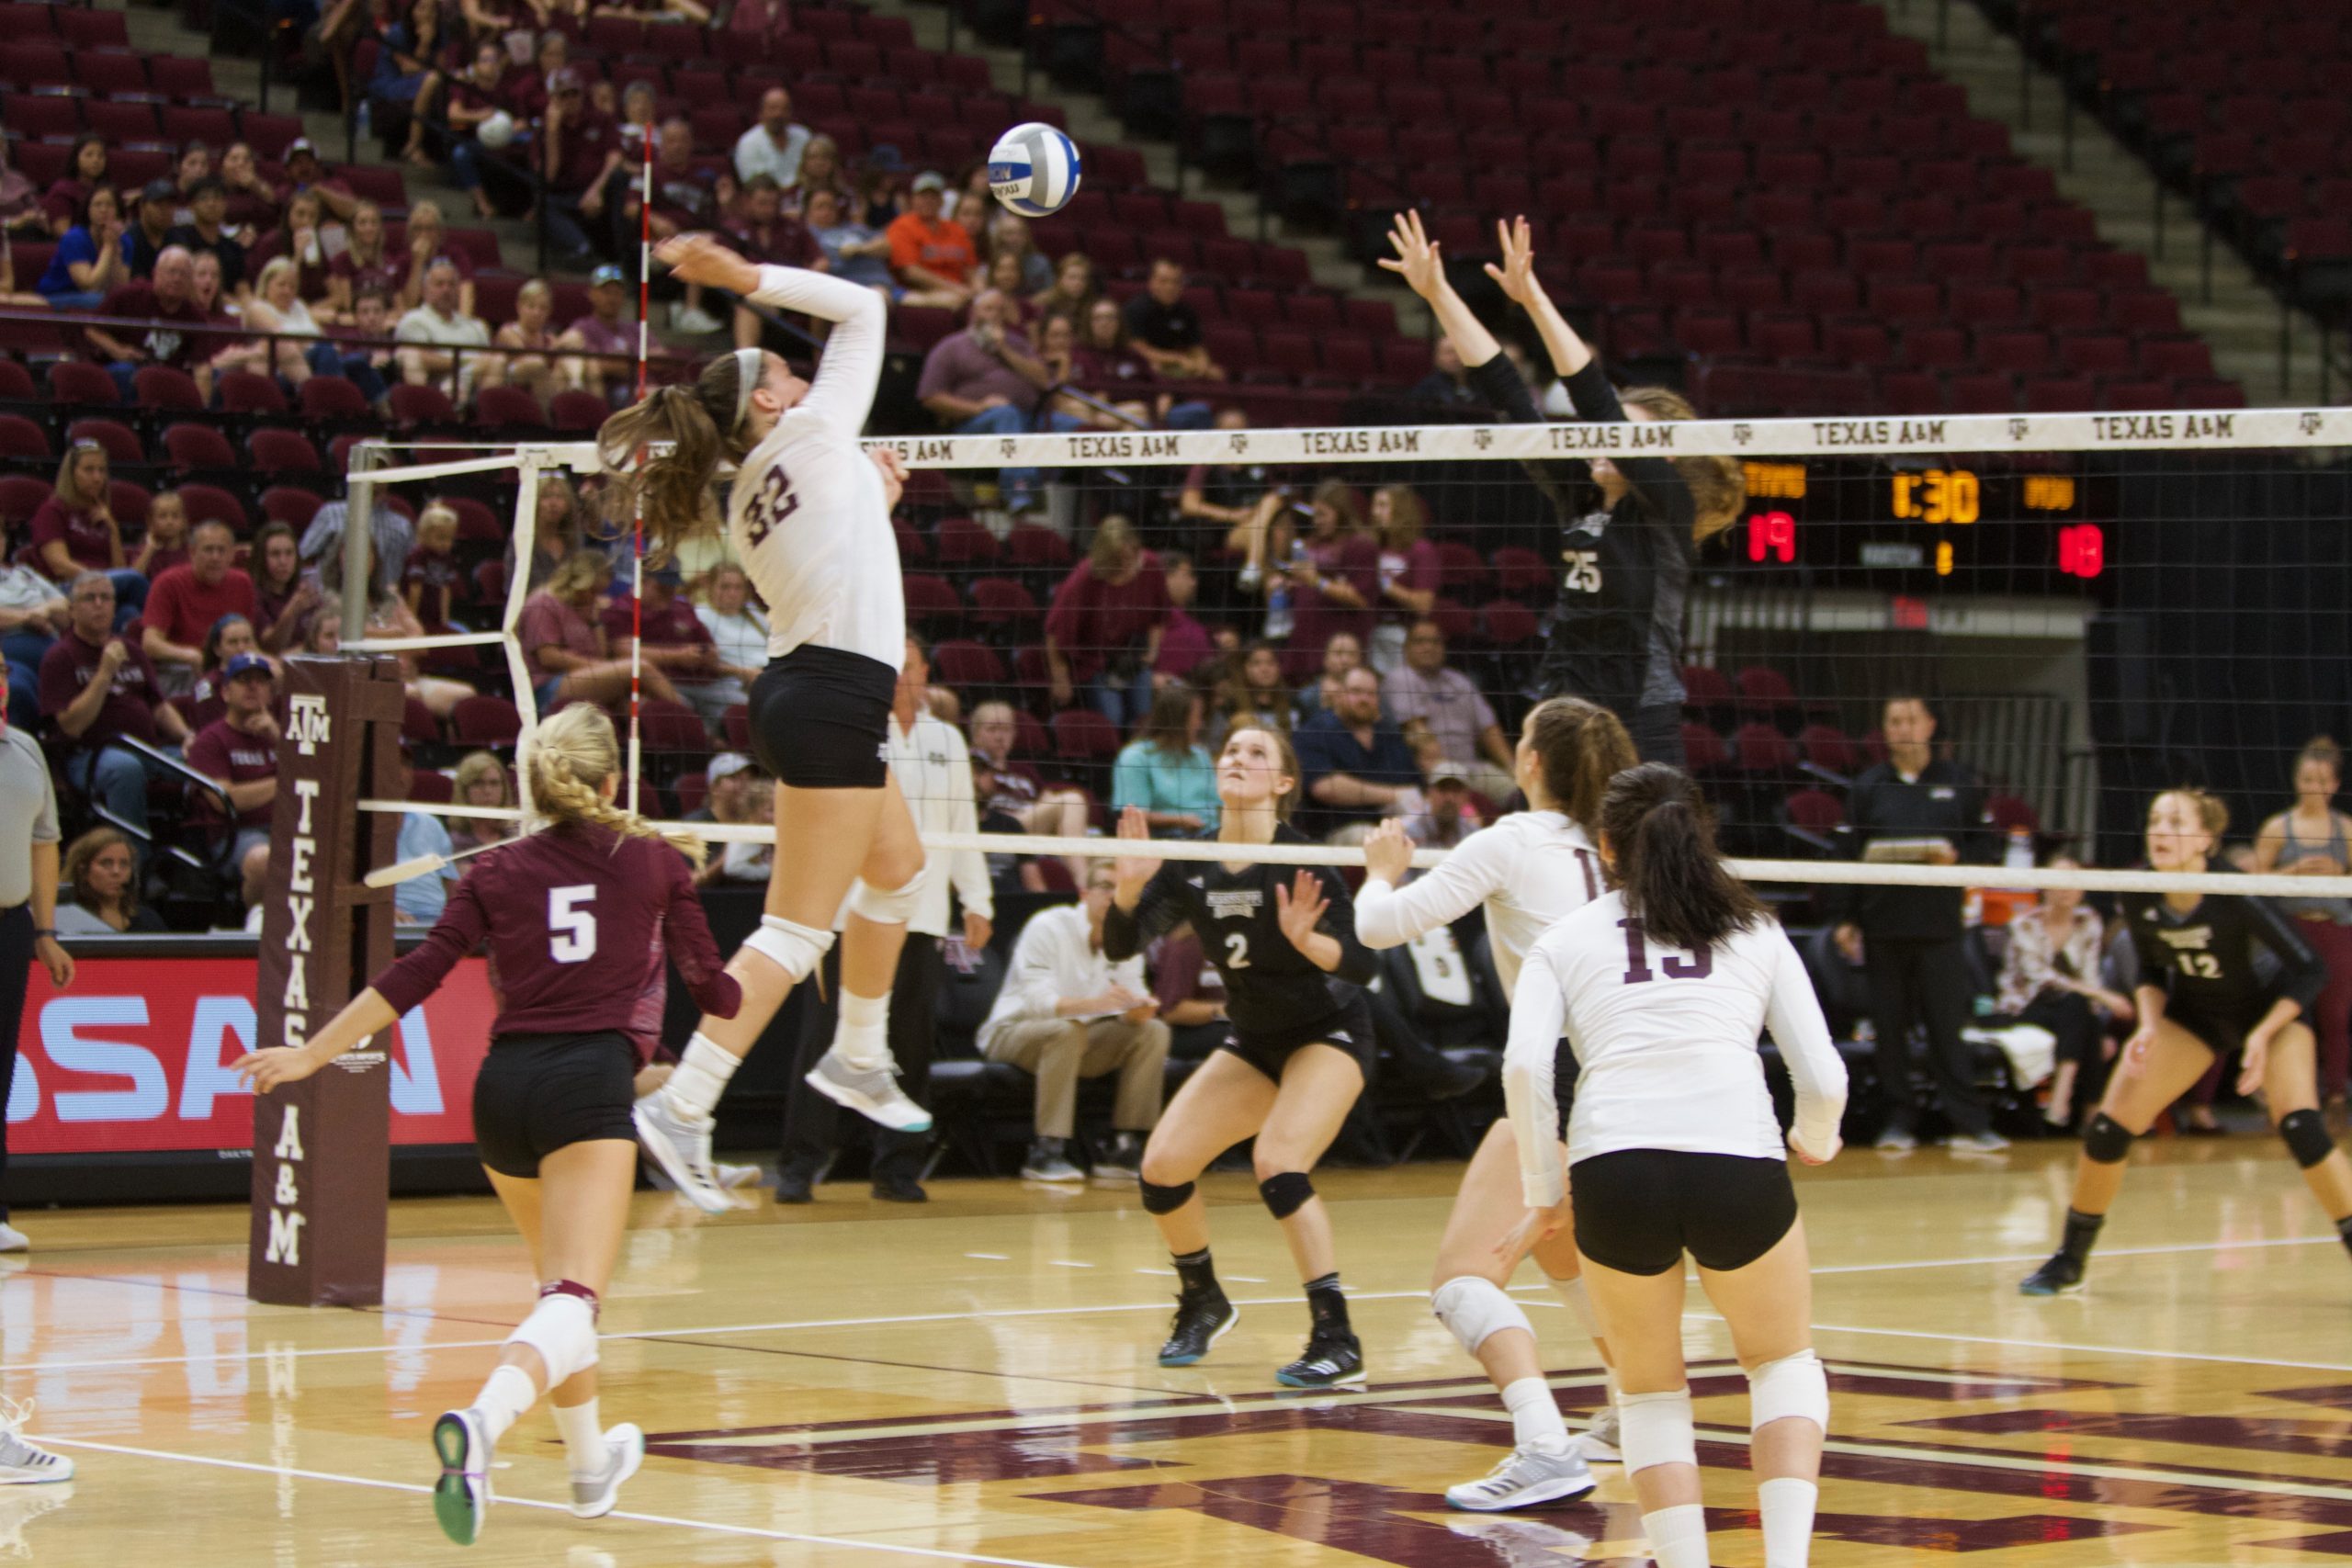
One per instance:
(1156, 914)
(844, 389)
(463, 924)
(1537, 1016)
(692, 949)
(967, 870)
(1357, 965)
(1390, 917)
(2301, 976)
(2154, 962)
(1664, 492)
(1793, 1013)
(1498, 385)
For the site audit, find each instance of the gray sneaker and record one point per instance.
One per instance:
(1046, 1162)
(22, 1461)
(1523, 1479)
(682, 1148)
(592, 1496)
(1985, 1142)
(461, 1497)
(872, 1092)
(1599, 1442)
(1897, 1139)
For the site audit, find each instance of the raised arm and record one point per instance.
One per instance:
(1391, 912)
(1517, 277)
(842, 392)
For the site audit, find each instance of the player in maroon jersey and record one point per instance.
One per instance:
(569, 913)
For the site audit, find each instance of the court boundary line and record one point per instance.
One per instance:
(713, 1526)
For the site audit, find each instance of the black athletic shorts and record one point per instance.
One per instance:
(821, 719)
(1638, 1210)
(536, 1094)
(2222, 1033)
(1349, 1029)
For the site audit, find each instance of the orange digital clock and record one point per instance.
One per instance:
(1938, 495)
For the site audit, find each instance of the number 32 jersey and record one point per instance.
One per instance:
(571, 914)
(809, 516)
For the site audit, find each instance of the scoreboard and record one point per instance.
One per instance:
(1914, 525)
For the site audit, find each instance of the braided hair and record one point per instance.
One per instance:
(568, 758)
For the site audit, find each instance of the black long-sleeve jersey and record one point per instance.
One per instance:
(1615, 635)
(1271, 988)
(2226, 961)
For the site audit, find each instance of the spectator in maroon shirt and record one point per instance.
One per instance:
(1185, 645)
(602, 333)
(239, 752)
(1104, 628)
(485, 90)
(69, 199)
(427, 241)
(76, 530)
(165, 545)
(298, 239)
(582, 161)
(1073, 372)
(253, 204)
(431, 581)
(187, 601)
(305, 172)
(169, 304)
(95, 688)
(1408, 571)
(564, 648)
(1333, 579)
(366, 261)
(286, 593)
(676, 643)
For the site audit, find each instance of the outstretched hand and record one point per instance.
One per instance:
(1300, 907)
(264, 1070)
(1388, 852)
(1517, 275)
(1418, 260)
(699, 258)
(1133, 871)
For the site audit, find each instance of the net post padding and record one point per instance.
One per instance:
(323, 1146)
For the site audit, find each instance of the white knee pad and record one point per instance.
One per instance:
(894, 906)
(1475, 1308)
(1656, 1428)
(792, 947)
(562, 1329)
(1793, 1386)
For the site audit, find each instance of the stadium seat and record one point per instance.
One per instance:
(966, 666)
(241, 391)
(1084, 736)
(121, 445)
(485, 721)
(198, 446)
(166, 388)
(334, 397)
(72, 381)
(284, 452)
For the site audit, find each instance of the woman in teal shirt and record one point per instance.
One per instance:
(1166, 770)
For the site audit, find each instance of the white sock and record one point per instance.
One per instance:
(1786, 1504)
(863, 1037)
(583, 1436)
(1535, 1416)
(1677, 1535)
(701, 1077)
(1578, 1301)
(502, 1400)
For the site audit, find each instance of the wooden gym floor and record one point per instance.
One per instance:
(878, 1387)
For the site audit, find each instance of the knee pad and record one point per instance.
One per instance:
(1474, 1309)
(893, 906)
(1287, 1192)
(1158, 1200)
(2105, 1140)
(1794, 1385)
(2305, 1135)
(1656, 1428)
(562, 1329)
(792, 947)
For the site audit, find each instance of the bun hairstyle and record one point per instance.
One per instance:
(1718, 484)
(686, 432)
(1581, 746)
(1287, 758)
(1662, 838)
(568, 759)
(2212, 814)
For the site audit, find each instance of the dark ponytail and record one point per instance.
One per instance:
(1663, 839)
(1581, 746)
(684, 431)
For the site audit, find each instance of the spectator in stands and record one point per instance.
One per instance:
(986, 380)
(102, 889)
(1008, 874)
(164, 544)
(1164, 770)
(483, 93)
(1018, 792)
(1251, 695)
(88, 262)
(145, 237)
(730, 780)
(603, 335)
(1104, 344)
(207, 233)
(32, 616)
(774, 146)
(194, 167)
(556, 532)
(186, 601)
(253, 204)
(239, 752)
(1077, 391)
(1073, 291)
(305, 175)
(1408, 571)
(1002, 273)
(430, 584)
(1448, 814)
(1341, 653)
(1009, 235)
(366, 262)
(323, 634)
(276, 306)
(420, 901)
(1461, 721)
(675, 642)
(360, 355)
(968, 199)
(852, 251)
(388, 616)
(428, 241)
(932, 255)
(480, 781)
(685, 200)
(2050, 977)
(1067, 1012)
(1448, 382)
(535, 371)
(2312, 839)
(563, 647)
(228, 637)
(170, 303)
(1186, 649)
(1103, 628)
(1191, 994)
(299, 242)
(222, 351)
(1330, 579)
(820, 170)
(437, 330)
(67, 201)
(1224, 496)
(738, 627)
(417, 47)
(76, 531)
(752, 23)
(1358, 768)
(875, 203)
(391, 538)
(1166, 330)
(95, 688)
(284, 594)
(766, 235)
(21, 216)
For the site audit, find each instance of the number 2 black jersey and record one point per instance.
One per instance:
(1271, 988)
(1615, 636)
(2226, 961)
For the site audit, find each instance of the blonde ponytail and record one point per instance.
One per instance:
(568, 758)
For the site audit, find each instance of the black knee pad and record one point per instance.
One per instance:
(1287, 1192)
(2105, 1140)
(1157, 1199)
(2305, 1134)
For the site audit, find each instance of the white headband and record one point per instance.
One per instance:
(747, 362)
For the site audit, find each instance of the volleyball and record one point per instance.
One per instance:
(496, 132)
(1033, 170)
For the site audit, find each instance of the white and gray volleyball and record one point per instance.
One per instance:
(1033, 170)
(496, 132)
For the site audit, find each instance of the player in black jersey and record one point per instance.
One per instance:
(1615, 634)
(2217, 973)
(1284, 940)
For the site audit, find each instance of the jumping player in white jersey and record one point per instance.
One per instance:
(810, 518)
(1662, 985)
(1529, 871)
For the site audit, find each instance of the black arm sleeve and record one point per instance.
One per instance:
(1665, 493)
(2301, 976)
(2155, 959)
(1498, 383)
(1357, 964)
(1160, 909)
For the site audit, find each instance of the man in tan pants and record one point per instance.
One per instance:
(1067, 1013)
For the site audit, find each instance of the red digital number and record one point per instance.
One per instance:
(1772, 535)
(2082, 550)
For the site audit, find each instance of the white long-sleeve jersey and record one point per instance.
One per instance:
(808, 518)
(1666, 1042)
(1532, 870)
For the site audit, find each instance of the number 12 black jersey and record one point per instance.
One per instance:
(2227, 959)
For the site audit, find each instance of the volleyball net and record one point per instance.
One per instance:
(2094, 607)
